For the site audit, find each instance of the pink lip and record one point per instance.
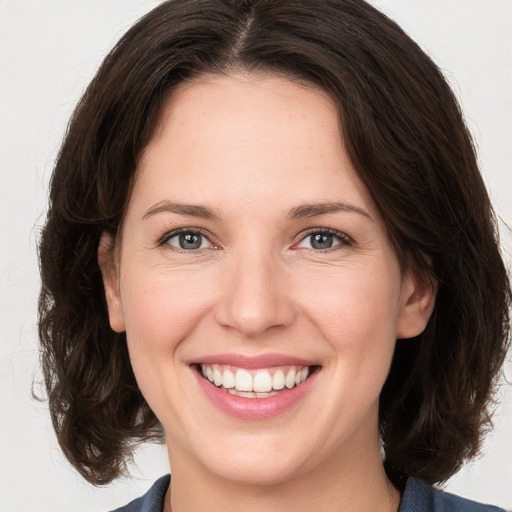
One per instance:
(252, 362)
(254, 408)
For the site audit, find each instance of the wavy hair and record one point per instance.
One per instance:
(406, 137)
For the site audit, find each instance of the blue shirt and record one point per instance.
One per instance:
(418, 497)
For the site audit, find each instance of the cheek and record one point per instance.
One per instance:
(162, 307)
(356, 312)
(354, 299)
(161, 311)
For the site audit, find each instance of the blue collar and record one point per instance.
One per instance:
(418, 497)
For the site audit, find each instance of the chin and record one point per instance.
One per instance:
(260, 460)
(258, 471)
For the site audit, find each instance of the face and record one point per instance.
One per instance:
(259, 292)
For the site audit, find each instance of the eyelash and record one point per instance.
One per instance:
(193, 231)
(343, 239)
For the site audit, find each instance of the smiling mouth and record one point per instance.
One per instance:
(255, 383)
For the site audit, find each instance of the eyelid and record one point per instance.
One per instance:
(171, 234)
(344, 239)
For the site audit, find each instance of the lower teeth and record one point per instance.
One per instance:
(249, 394)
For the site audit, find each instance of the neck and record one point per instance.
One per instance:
(358, 484)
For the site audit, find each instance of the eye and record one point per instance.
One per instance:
(187, 240)
(323, 240)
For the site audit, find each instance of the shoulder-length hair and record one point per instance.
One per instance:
(406, 137)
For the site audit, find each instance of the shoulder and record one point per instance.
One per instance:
(152, 501)
(421, 497)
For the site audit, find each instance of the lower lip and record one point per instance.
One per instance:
(254, 408)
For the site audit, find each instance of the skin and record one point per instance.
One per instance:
(252, 149)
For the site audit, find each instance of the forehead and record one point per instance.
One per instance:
(250, 106)
(250, 138)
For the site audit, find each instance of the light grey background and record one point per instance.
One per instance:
(49, 50)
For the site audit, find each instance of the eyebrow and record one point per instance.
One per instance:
(181, 209)
(299, 212)
(312, 210)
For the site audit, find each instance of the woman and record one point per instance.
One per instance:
(271, 245)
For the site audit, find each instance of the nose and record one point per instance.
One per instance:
(254, 296)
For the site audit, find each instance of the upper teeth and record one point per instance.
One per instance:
(260, 381)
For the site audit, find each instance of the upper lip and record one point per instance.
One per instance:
(252, 362)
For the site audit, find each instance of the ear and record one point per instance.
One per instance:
(109, 273)
(417, 300)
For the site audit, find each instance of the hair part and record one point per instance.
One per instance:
(405, 135)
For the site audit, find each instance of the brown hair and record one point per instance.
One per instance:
(406, 137)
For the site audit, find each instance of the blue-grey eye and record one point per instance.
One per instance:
(189, 241)
(320, 241)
